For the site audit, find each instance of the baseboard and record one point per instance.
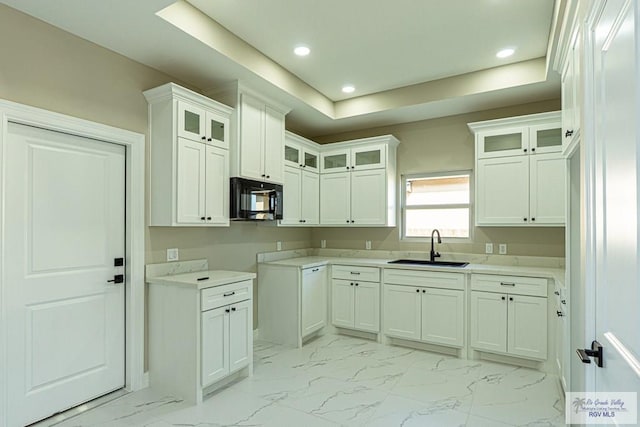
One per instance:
(450, 351)
(144, 381)
(510, 360)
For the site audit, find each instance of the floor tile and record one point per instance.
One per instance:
(403, 412)
(338, 380)
(520, 397)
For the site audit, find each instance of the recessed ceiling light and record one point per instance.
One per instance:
(348, 88)
(504, 53)
(302, 51)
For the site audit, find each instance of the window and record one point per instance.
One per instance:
(439, 201)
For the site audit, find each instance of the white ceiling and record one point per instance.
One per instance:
(408, 59)
(380, 44)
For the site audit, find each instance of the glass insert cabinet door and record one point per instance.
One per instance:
(198, 124)
(292, 155)
(217, 130)
(191, 122)
(546, 138)
(368, 157)
(311, 160)
(504, 142)
(336, 161)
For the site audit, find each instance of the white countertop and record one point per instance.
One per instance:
(314, 261)
(210, 278)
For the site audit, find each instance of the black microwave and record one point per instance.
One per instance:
(255, 200)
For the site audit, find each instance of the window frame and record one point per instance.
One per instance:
(403, 205)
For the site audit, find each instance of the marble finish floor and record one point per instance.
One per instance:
(337, 380)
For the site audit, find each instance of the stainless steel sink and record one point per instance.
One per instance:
(427, 262)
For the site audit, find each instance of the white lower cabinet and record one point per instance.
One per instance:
(355, 298)
(314, 299)
(199, 337)
(402, 312)
(225, 341)
(415, 309)
(509, 315)
(442, 316)
(292, 302)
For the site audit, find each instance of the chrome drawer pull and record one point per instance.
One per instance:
(229, 294)
(507, 284)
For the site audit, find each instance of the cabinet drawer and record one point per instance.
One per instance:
(348, 272)
(534, 286)
(219, 296)
(432, 279)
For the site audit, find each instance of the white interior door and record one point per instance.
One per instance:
(616, 111)
(64, 225)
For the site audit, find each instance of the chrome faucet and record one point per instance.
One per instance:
(433, 254)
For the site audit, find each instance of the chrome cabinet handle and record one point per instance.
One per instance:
(507, 284)
(229, 294)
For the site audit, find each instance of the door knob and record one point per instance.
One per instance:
(118, 278)
(596, 352)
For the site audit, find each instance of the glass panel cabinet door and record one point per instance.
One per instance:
(335, 161)
(504, 142)
(368, 157)
(191, 122)
(546, 138)
(217, 131)
(311, 161)
(292, 154)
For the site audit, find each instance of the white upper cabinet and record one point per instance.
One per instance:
(261, 141)
(301, 182)
(335, 161)
(273, 145)
(301, 204)
(357, 183)
(503, 142)
(256, 133)
(189, 158)
(518, 136)
(571, 81)
(335, 198)
(502, 191)
(300, 152)
(547, 176)
(199, 124)
(520, 171)
(368, 197)
(362, 157)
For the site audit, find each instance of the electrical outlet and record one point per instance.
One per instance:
(172, 254)
(278, 245)
(367, 244)
(488, 248)
(502, 248)
(323, 243)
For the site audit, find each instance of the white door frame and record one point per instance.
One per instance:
(134, 144)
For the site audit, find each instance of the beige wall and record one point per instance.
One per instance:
(445, 144)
